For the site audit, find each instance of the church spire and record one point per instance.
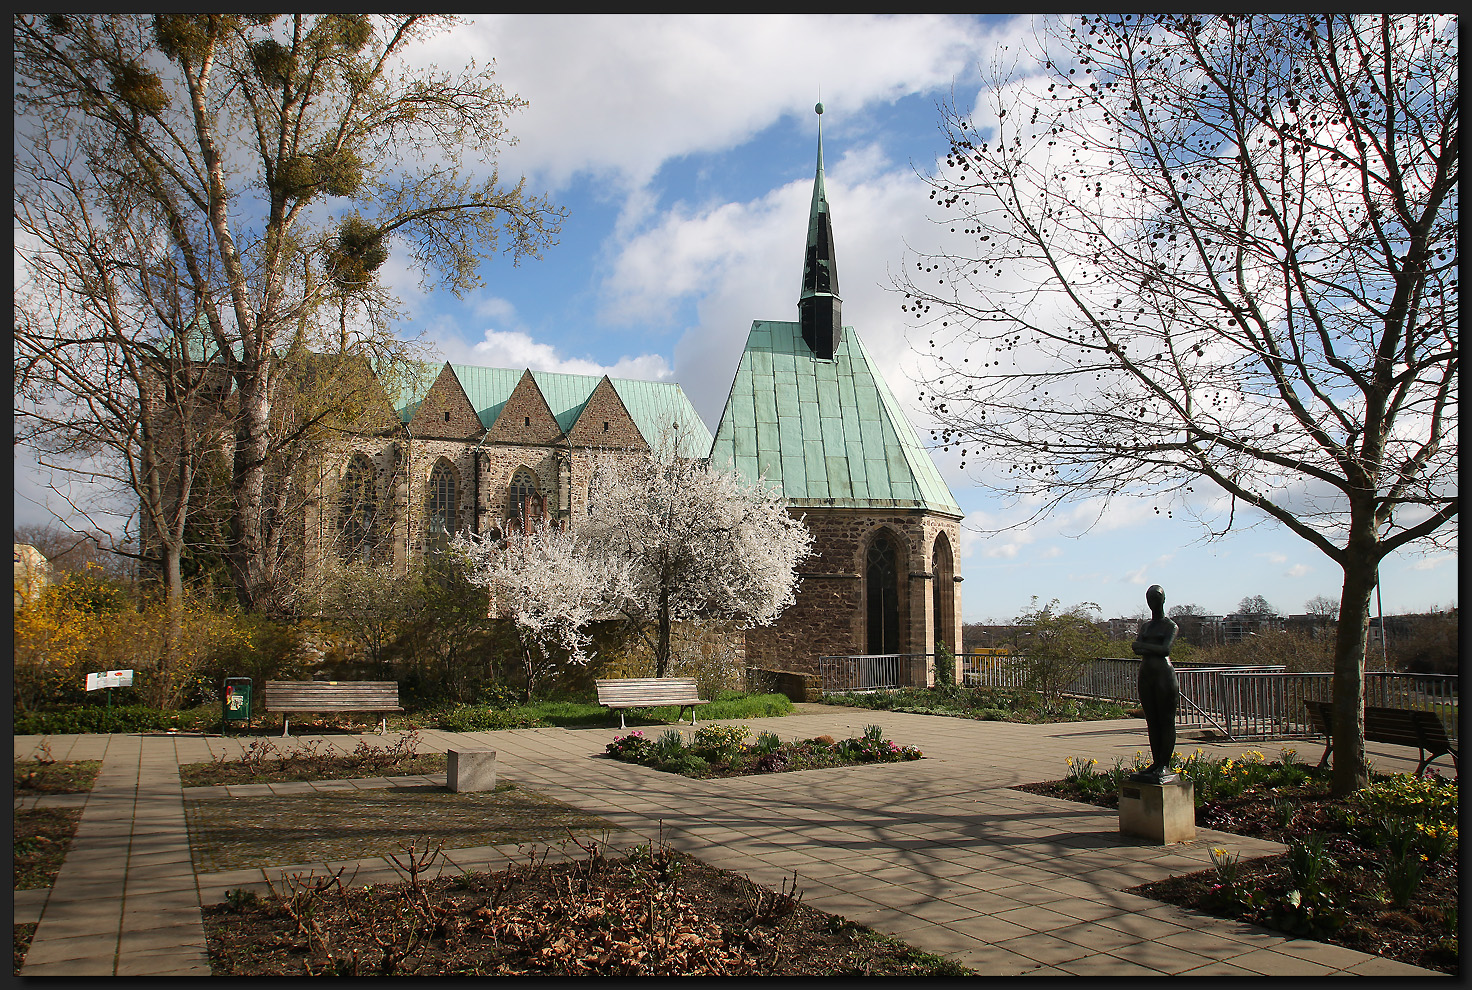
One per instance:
(820, 309)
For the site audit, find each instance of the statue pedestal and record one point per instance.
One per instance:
(1162, 813)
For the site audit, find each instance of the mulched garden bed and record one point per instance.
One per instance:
(23, 935)
(1356, 910)
(55, 776)
(264, 762)
(42, 836)
(349, 824)
(650, 912)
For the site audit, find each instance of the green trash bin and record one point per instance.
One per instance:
(235, 702)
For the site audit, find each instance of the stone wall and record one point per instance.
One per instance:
(829, 616)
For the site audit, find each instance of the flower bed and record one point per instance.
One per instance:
(723, 751)
(1376, 871)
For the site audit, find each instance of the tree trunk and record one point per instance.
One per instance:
(247, 546)
(173, 571)
(662, 649)
(1360, 571)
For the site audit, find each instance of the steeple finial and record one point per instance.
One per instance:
(820, 308)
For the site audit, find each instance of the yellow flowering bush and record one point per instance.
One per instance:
(64, 634)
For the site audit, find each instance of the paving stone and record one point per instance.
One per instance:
(1004, 881)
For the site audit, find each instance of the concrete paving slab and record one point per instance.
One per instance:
(941, 850)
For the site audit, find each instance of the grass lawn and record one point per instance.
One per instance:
(342, 825)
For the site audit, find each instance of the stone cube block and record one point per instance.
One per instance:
(471, 770)
(1162, 813)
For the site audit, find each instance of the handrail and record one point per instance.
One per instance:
(1259, 701)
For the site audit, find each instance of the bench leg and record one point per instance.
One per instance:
(1327, 749)
(285, 726)
(383, 726)
(693, 723)
(621, 719)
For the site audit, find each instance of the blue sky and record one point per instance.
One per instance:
(682, 148)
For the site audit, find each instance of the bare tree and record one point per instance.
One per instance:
(284, 157)
(108, 378)
(1322, 607)
(1256, 605)
(1214, 251)
(68, 551)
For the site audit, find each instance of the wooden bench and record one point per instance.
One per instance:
(649, 692)
(1417, 727)
(332, 696)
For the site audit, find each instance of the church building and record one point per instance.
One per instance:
(473, 449)
(465, 448)
(809, 413)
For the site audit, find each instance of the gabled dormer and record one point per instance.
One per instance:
(605, 421)
(525, 418)
(445, 413)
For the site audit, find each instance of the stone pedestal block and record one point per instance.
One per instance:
(471, 770)
(1162, 813)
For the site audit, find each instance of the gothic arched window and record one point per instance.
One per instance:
(443, 499)
(882, 594)
(357, 510)
(523, 495)
(943, 594)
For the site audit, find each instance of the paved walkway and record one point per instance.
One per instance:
(939, 852)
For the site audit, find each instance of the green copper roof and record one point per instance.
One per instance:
(414, 382)
(657, 407)
(827, 433)
(486, 388)
(653, 406)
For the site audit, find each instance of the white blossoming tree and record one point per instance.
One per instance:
(698, 544)
(550, 590)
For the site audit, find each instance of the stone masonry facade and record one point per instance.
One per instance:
(829, 616)
(446, 431)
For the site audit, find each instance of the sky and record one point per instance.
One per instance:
(683, 149)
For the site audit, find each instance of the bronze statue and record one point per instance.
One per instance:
(1159, 692)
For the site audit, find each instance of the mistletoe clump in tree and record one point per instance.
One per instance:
(224, 190)
(1214, 250)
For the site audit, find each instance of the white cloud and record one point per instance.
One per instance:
(1297, 571)
(514, 349)
(622, 95)
(1432, 563)
(1274, 558)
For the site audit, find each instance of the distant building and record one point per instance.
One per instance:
(32, 573)
(1239, 625)
(1201, 630)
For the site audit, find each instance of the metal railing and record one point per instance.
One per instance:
(1112, 679)
(1243, 703)
(1270, 706)
(873, 672)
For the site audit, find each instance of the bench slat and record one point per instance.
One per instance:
(1417, 727)
(332, 696)
(649, 692)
